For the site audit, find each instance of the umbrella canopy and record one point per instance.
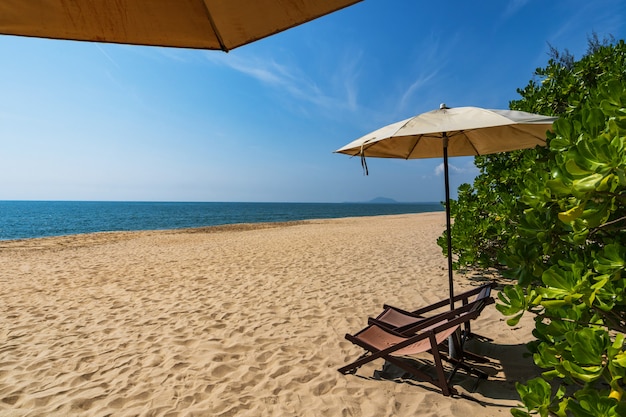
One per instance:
(470, 131)
(461, 131)
(206, 24)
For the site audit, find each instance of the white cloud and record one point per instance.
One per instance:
(467, 169)
(513, 7)
(107, 56)
(422, 80)
(432, 57)
(296, 81)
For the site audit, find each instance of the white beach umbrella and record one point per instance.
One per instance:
(461, 131)
(203, 24)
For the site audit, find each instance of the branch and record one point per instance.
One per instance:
(616, 321)
(611, 222)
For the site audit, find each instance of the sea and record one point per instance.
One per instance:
(33, 219)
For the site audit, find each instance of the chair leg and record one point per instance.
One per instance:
(351, 368)
(467, 368)
(475, 357)
(460, 363)
(440, 382)
(443, 382)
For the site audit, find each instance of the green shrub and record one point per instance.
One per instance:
(554, 220)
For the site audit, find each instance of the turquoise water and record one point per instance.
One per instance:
(30, 219)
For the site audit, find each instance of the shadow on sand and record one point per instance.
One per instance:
(507, 365)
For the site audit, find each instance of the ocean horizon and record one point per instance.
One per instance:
(35, 219)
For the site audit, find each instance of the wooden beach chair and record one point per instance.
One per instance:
(429, 336)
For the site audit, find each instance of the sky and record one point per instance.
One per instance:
(106, 122)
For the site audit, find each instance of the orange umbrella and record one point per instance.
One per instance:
(203, 24)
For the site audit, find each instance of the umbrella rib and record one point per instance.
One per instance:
(461, 132)
(470, 142)
(223, 47)
(419, 138)
(367, 144)
(542, 139)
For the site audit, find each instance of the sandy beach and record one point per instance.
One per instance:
(244, 320)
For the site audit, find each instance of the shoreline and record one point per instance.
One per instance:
(297, 218)
(244, 320)
(229, 227)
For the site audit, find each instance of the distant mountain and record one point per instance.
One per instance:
(382, 200)
(385, 200)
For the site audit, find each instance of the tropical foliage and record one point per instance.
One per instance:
(554, 220)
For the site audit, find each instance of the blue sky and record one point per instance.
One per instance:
(93, 121)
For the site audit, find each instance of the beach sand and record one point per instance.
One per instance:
(244, 320)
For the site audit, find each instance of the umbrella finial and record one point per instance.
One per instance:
(443, 106)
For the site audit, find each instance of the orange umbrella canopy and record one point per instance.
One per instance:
(203, 24)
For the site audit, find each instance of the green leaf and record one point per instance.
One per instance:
(565, 136)
(546, 356)
(595, 121)
(590, 403)
(620, 360)
(607, 183)
(614, 92)
(514, 320)
(584, 374)
(572, 214)
(588, 183)
(513, 303)
(558, 187)
(536, 393)
(597, 215)
(610, 259)
(572, 168)
(584, 355)
(559, 280)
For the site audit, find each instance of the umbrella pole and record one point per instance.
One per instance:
(448, 222)
(451, 345)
